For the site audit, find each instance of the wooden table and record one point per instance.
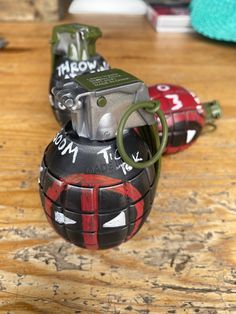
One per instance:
(184, 258)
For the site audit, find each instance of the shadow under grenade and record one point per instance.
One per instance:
(185, 115)
(73, 53)
(98, 176)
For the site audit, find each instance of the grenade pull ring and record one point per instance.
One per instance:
(150, 107)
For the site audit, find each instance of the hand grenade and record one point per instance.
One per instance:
(185, 115)
(98, 176)
(73, 53)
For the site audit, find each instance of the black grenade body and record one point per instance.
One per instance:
(73, 53)
(90, 196)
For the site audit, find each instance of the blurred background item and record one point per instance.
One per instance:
(169, 15)
(25, 10)
(169, 3)
(215, 19)
(132, 7)
(212, 18)
(3, 43)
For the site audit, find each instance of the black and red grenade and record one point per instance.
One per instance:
(185, 115)
(98, 176)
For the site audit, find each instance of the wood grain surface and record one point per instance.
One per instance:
(184, 258)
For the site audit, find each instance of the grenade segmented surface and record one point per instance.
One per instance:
(184, 115)
(90, 196)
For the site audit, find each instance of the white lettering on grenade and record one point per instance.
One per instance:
(174, 97)
(64, 147)
(108, 157)
(72, 69)
(176, 101)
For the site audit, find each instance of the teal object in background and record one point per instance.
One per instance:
(215, 19)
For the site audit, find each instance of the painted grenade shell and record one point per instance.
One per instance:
(103, 201)
(73, 53)
(185, 115)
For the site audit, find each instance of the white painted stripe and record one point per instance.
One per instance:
(190, 135)
(118, 221)
(62, 219)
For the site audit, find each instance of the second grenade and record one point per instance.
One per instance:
(73, 53)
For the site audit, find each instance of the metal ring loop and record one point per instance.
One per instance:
(209, 127)
(152, 107)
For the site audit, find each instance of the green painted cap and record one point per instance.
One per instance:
(215, 19)
(77, 41)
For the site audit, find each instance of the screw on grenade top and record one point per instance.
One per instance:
(212, 111)
(65, 92)
(76, 41)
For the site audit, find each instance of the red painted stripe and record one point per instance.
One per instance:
(90, 222)
(139, 209)
(130, 191)
(89, 201)
(53, 194)
(133, 193)
(90, 241)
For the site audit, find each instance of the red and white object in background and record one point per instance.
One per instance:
(166, 18)
(184, 113)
